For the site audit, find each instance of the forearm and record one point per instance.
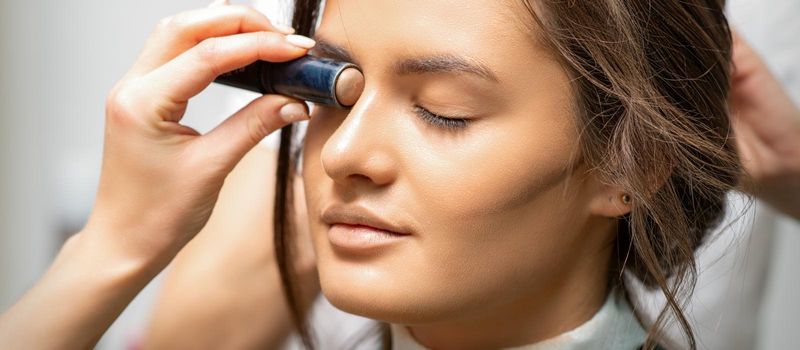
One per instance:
(77, 299)
(223, 290)
(239, 310)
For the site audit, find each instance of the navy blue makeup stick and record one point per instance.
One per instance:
(310, 78)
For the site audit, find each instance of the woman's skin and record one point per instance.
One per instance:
(510, 235)
(160, 180)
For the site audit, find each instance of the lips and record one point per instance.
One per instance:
(355, 216)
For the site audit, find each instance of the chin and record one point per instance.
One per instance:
(385, 296)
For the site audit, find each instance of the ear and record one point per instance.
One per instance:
(610, 201)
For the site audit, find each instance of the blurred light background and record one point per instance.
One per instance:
(58, 60)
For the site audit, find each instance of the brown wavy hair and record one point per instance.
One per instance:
(650, 85)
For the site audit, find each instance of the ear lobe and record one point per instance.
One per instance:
(611, 202)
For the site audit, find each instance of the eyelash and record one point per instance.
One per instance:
(441, 121)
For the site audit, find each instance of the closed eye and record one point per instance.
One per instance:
(441, 121)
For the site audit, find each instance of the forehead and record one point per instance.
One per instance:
(491, 30)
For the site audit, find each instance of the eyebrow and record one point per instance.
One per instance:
(439, 63)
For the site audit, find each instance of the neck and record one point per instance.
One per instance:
(537, 315)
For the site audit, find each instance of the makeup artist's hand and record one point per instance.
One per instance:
(160, 179)
(767, 128)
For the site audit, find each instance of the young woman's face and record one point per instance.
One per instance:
(492, 213)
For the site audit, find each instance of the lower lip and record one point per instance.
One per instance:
(359, 239)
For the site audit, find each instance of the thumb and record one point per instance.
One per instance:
(231, 140)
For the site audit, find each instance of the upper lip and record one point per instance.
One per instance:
(355, 215)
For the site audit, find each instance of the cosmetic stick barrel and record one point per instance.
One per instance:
(310, 78)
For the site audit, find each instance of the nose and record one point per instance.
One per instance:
(360, 150)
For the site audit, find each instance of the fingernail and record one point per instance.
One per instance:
(283, 28)
(292, 112)
(218, 3)
(300, 41)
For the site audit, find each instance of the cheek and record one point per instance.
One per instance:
(494, 172)
(496, 213)
(503, 201)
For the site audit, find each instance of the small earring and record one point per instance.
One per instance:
(626, 199)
